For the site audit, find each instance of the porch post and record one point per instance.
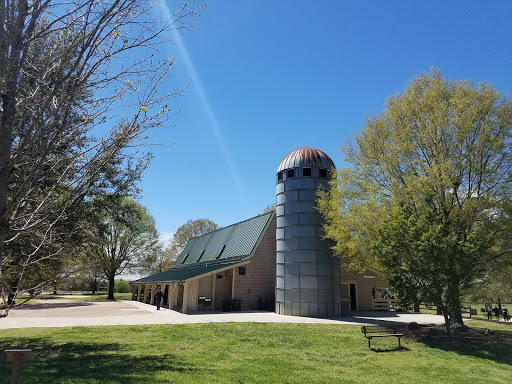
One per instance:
(214, 278)
(170, 299)
(153, 290)
(134, 292)
(233, 284)
(185, 293)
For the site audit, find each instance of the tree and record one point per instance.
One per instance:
(160, 260)
(122, 286)
(123, 236)
(495, 286)
(427, 199)
(67, 69)
(90, 272)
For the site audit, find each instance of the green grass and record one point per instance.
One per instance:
(103, 297)
(257, 353)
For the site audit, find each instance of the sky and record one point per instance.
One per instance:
(269, 77)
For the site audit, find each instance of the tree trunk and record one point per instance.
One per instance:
(454, 312)
(111, 283)
(94, 286)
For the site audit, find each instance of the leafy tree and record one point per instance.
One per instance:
(90, 272)
(122, 286)
(427, 199)
(495, 286)
(124, 234)
(67, 68)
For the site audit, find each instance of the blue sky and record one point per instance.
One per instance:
(269, 77)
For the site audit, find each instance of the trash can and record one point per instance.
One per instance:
(226, 305)
(237, 304)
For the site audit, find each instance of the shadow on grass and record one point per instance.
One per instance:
(496, 347)
(86, 362)
(50, 305)
(396, 349)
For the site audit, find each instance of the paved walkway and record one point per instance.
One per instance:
(69, 313)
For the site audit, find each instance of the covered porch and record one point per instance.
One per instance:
(199, 287)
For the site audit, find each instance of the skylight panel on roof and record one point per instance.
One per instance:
(219, 252)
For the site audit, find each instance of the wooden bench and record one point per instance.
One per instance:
(379, 331)
(204, 302)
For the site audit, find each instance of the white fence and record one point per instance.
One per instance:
(384, 304)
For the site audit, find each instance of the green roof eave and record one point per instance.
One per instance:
(186, 272)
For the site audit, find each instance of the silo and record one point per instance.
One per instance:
(307, 275)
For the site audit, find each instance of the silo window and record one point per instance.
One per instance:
(290, 173)
(279, 176)
(322, 172)
(306, 171)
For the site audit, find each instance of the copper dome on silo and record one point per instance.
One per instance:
(306, 157)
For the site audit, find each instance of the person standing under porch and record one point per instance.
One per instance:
(158, 298)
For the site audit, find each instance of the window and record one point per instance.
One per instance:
(279, 176)
(219, 276)
(322, 172)
(185, 259)
(219, 252)
(306, 172)
(241, 271)
(202, 253)
(290, 173)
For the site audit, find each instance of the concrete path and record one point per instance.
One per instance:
(69, 313)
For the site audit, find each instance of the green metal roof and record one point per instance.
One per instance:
(237, 240)
(184, 272)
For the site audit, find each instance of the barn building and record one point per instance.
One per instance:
(275, 261)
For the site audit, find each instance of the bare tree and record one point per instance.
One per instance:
(159, 261)
(68, 69)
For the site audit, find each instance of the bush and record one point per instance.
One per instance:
(121, 286)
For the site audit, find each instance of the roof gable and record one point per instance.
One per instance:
(238, 239)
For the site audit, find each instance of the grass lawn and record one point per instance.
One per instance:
(257, 353)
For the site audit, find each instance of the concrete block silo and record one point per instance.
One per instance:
(307, 275)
